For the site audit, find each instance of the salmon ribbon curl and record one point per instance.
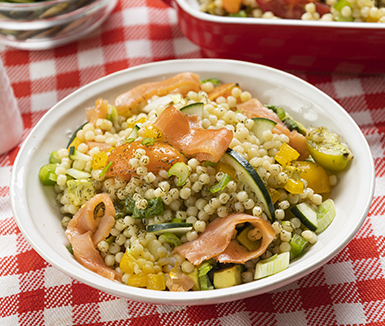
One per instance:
(216, 241)
(84, 232)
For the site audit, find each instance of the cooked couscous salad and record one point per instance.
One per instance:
(188, 184)
(324, 10)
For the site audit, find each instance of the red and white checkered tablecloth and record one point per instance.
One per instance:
(348, 290)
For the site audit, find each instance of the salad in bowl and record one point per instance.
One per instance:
(192, 182)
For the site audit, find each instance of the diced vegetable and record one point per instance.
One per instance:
(181, 171)
(306, 214)
(78, 174)
(74, 154)
(244, 240)
(171, 238)
(272, 265)
(80, 191)
(228, 277)
(54, 158)
(47, 173)
(298, 244)
(286, 155)
(326, 213)
(221, 184)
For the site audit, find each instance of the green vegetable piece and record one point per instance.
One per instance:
(205, 283)
(194, 276)
(228, 277)
(104, 171)
(298, 244)
(70, 249)
(124, 207)
(148, 141)
(177, 220)
(45, 173)
(221, 184)
(181, 171)
(54, 158)
(342, 3)
(326, 213)
(294, 125)
(154, 208)
(244, 240)
(74, 134)
(215, 81)
(280, 112)
(110, 239)
(171, 238)
(240, 13)
(272, 265)
(80, 191)
(204, 268)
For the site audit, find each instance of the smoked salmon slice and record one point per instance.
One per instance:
(186, 134)
(181, 83)
(255, 109)
(162, 156)
(84, 232)
(215, 242)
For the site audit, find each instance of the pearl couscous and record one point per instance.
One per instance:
(159, 226)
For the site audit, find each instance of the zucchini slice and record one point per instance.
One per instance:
(306, 214)
(193, 109)
(252, 180)
(175, 228)
(74, 134)
(260, 126)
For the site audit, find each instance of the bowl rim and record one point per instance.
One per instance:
(18, 192)
(223, 20)
(31, 5)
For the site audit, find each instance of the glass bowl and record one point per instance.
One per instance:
(48, 24)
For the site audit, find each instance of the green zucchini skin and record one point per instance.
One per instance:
(253, 179)
(74, 134)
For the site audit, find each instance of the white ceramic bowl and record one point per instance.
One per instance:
(37, 213)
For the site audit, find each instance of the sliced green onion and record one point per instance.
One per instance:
(221, 184)
(54, 158)
(177, 220)
(76, 155)
(272, 265)
(105, 169)
(129, 140)
(181, 171)
(171, 238)
(298, 244)
(47, 174)
(208, 163)
(109, 117)
(148, 141)
(326, 213)
(205, 283)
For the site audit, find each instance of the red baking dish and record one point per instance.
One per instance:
(285, 43)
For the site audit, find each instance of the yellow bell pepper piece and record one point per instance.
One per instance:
(127, 263)
(274, 194)
(99, 160)
(131, 122)
(156, 282)
(286, 154)
(225, 168)
(294, 186)
(153, 132)
(138, 280)
(76, 142)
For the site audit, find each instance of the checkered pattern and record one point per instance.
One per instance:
(349, 290)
